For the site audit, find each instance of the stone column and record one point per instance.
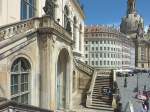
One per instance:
(45, 68)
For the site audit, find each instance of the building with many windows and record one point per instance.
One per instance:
(106, 47)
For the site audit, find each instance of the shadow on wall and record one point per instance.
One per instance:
(2, 92)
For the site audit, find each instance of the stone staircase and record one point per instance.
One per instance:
(99, 98)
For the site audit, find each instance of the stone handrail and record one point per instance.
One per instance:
(15, 28)
(90, 92)
(84, 67)
(10, 30)
(116, 93)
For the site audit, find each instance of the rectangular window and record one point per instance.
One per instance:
(107, 62)
(104, 62)
(100, 62)
(108, 48)
(27, 9)
(97, 48)
(96, 62)
(86, 48)
(93, 48)
(86, 42)
(92, 62)
(101, 55)
(108, 55)
(86, 62)
(100, 42)
(93, 55)
(86, 55)
(96, 55)
(101, 48)
(92, 42)
(104, 41)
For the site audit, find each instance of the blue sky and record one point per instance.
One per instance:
(111, 11)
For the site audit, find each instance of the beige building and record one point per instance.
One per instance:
(40, 55)
(107, 47)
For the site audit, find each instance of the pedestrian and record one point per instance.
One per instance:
(146, 102)
(149, 74)
(125, 82)
(143, 108)
(144, 87)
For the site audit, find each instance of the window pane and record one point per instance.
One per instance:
(24, 99)
(14, 89)
(16, 99)
(31, 12)
(23, 10)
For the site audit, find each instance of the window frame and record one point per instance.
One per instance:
(23, 81)
(28, 6)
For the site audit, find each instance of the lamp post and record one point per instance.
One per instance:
(137, 82)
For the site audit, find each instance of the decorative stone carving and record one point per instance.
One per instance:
(68, 27)
(49, 8)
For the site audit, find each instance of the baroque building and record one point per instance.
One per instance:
(41, 53)
(132, 25)
(107, 47)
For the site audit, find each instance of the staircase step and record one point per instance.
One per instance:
(101, 105)
(103, 78)
(103, 82)
(102, 108)
(101, 102)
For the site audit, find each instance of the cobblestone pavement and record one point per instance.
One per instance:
(128, 94)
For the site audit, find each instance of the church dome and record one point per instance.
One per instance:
(131, 23)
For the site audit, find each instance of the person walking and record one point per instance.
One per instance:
(146, 103)
(125, 82)
(143, 108)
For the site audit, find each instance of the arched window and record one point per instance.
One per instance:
(80, 37)
(27, 9)
(74, 29)
(74, 81)
(20, 72)
(67, 24)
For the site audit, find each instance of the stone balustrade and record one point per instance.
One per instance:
(10, 30)
(90, 91)
(84, 67)
(16, 28)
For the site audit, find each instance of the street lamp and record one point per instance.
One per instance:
(137, 84)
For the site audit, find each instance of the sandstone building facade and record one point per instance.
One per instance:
(41, 52)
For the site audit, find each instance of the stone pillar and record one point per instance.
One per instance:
(46, 78)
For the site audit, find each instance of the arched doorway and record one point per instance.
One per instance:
(62, 78)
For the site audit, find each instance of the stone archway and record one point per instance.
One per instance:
(62, 78)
